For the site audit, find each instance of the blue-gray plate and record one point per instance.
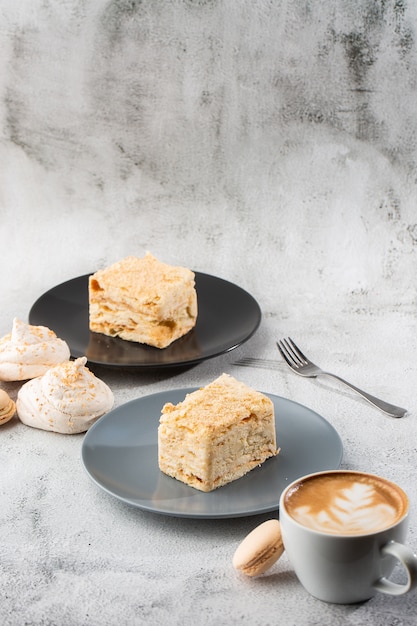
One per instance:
(120, 454)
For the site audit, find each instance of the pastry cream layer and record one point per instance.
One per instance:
(217, 434)
(143, 300)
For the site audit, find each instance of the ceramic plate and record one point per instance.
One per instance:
(228, 316)
(120, 454)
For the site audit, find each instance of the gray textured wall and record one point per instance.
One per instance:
(201, 130)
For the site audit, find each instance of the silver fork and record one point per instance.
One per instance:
(301, 365)
(267, 364)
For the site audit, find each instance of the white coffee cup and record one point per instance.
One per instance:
(343, 532)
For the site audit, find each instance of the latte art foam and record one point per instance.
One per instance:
(346, 503)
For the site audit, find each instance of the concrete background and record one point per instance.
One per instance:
(214, 129)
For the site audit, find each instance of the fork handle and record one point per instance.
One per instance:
(390, 409)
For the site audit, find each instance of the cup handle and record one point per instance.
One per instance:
(409, 561)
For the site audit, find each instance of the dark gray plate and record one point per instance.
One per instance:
(227, 317)
(120, 454)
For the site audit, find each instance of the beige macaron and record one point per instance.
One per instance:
(7, 407)
(260, 549)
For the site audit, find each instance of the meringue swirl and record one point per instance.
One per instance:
(68, 399)
(29, 351)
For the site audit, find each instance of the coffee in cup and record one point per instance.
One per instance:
(346, 503)
(343, 532)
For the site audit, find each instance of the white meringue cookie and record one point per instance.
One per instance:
(29, 351)
(67, 399)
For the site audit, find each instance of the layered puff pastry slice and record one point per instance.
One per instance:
(143, 300)
(217, 434)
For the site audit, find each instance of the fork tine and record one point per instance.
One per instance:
(291, 353)
(296, 350)
(286, 353)
(283, 354)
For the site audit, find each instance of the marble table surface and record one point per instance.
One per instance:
(73, 554)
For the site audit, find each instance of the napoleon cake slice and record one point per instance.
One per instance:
(143, 300)
(216, 434)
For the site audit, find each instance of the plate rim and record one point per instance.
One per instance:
(193, 515)
(157, 365)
